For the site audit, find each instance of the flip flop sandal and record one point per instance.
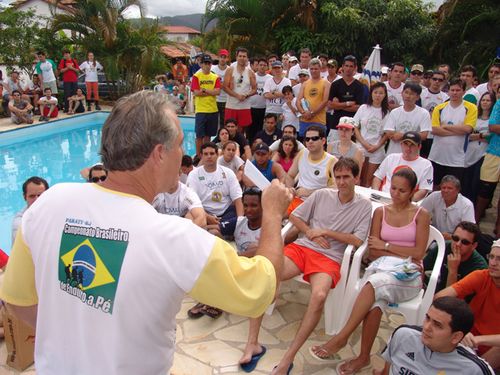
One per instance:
(289, 368)
(354, 372)
(212, 312)
(250, 366)
(327, 357)
(193, 314)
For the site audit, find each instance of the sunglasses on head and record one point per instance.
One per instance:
(465, 242)
(314, 138)
(97, 179)
(437, 79)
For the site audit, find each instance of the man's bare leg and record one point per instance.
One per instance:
(320, 287)
(253, 347)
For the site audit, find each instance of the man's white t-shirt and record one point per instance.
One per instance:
(47, 71)
(482, 88)
(274, 105)
(401, 121)
(217, 190)
(109, 275)
(394, 95)
(221, 98)
(394, 162)
(90, 70)
(258, 100)
(473, 91)
(52, 100)
(430, 100)
(179, 203)
(294, 71)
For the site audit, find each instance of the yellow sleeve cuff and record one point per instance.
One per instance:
(238, 285)
(18, 285)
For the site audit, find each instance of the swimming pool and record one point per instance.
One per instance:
(56, 151)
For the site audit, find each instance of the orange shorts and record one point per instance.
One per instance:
(311, 262)
(243, 117)
(296, 202)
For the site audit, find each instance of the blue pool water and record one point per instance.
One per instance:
(56, 151)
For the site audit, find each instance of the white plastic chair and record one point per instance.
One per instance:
(335, 296)
(414, 310)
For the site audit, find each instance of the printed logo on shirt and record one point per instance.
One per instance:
(90, 262)
(411, 355)
(405, 371)
(216, 196)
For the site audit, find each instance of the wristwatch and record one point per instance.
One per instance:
(386, 246)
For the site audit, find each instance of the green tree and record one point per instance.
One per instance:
(128, 51)
(468, 33)
(22, 34)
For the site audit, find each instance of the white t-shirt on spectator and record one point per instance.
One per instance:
(179, 203)
(217, 190)
(394, 95)
(274, 105)
(90, 70)
(394, 162)
(402, 121)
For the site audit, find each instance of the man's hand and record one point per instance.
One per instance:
(469, 341)
(446, 236)
(454, 259)
(276, 197)
(212, 220)
(313, 233)
(322, 241)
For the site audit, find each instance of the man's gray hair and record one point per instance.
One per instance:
(451, 179)
(137, 123)
(315, 61)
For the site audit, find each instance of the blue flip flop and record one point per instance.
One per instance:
(250, 366)
(289, 368)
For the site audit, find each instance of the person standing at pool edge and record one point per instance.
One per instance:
(142, 149)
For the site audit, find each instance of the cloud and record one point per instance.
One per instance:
(162, 8)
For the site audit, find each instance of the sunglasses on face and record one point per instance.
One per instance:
(417, 73)
(97, 179)
(314, 138)
(465, 242)
(437, 79)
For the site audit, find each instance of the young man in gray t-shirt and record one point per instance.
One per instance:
(328, 221)
(435, 348)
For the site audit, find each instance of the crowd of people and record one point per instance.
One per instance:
(427, 142)
(22, 101)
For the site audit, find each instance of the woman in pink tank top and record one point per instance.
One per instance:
(287, 150)
(397, 244)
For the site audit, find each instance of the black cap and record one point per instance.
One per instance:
(413, 137)
(261, 147)
(206, 58)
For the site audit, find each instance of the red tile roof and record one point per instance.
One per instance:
(180, 49)
(179, 30)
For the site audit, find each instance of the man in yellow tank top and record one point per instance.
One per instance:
(205, 86)
(312, 99)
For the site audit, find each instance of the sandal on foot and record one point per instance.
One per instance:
(289, 368)
(325, 355)
(250, 366)
(212, 312)
(193, 314)
(353, 372)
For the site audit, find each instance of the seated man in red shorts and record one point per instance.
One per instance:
(484, 286)
(328, 221)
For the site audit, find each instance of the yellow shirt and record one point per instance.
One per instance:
(313, 93)
(210, 81)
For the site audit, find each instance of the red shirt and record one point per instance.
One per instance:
(69, 75)
(485, 304)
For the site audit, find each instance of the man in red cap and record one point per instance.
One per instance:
(220, 70)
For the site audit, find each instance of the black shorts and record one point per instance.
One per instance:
(206, 124)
